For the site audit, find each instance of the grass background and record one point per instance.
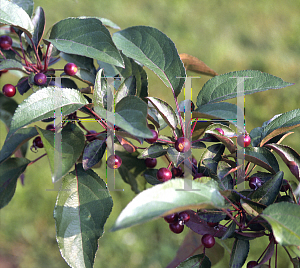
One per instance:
(227, 36)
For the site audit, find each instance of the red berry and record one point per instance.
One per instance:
(172, 218)
(255, 182)
(252, 264)
(155, 137)
(182, 144)
(176, 228)
(164, 174)
(50, 127)
(184, 216)
(198, 175)
(114, 161)
(176, 172)
(208, 241)
(70, 69)
(150, 162)
(212, 224)
(5, 42)
(243, 141)
(220, 130)
(40, 79)
(37, 142)
(9, 90)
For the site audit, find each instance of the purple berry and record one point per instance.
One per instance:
(164, 174)
(255, 182)
(252, 264)
(155, 137)
(114, 161)
(70, 69)
(40, 79)
(176, 228)
(37, 142)
(150, 162)
(176, 172)
(208, 241)
(243, 140)
(182, 144)
(9, 90)
(5, 42)
(184, 216)
(172, 218)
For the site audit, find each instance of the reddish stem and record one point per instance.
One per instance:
(178, 111)
(32, 162)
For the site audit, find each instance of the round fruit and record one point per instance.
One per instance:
(150, 162)
(176, 228)
(208, 241)
(114, 161)
(164, 174)
(243, 141)
(37, 142)
(172, 218)
(70, 69)
(255, 182)
(184, 216)
(198, 175)
(220, 130)
(182, 144)
(50, 127)
(40, 79)
(177, 172)
(155, 137)
(9, 90)
(5, 42)
(212, 224)
(252, 264)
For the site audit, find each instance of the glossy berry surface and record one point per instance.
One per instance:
(182, 144)
(50, 127)
(243, 141)
(184, 216)
(255, 182)
(155, 137)
(70, 69)
(164, 174)
(172, 218)
(208, 241)
(9, 90)
(176, 228)
(176, 172)
(252, 264)
(37, 142)
(150, 162)
(114, 161)
(5, 42)
(220, 130)
(40, 79)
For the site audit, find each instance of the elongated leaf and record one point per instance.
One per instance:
(239, 253)
(85, 36)
(150, 176)
(19, 138)
(130, 115)
(10, 171)
(195, 261)
(262, 157)
(155, 50)
(7, 109)
(42, 104)
(128, 87)
(230, 231)
(165, 110)
(267, 193)
(82, 207)
(284, 218)
(11, 65)
(100, 90)
(176, 157)
(80, 61)
(72, 144)
(166, 198)
(154, 151)
(224, 87)
(93, 153)
(27, 5)
(39, 25)
(110, 24)
(12, 14)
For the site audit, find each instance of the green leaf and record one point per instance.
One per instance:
(267, 193)
(80, 61)
(195, 261)
(281, 124)
(12, 65)
(85, 76)
(165, 110)
(27, 5)
(213, 152)
(230, 231)
(72, 144)
(166, 198)
(150, 176)
(239, 253)
(154, 151)
(13, 144)
(42, 104)
(284, 218)
(82, 207)
(85, 36)
(100, 90)
(93, 153)
(176, 157)
(7, 109)
(262, 157)
(224, 87)
(127, 88)
(10, 171)
(39, 25)
(12, 14)
(155, 50)
(130, 115)
(109, 23)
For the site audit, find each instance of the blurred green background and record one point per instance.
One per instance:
(227, 36)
